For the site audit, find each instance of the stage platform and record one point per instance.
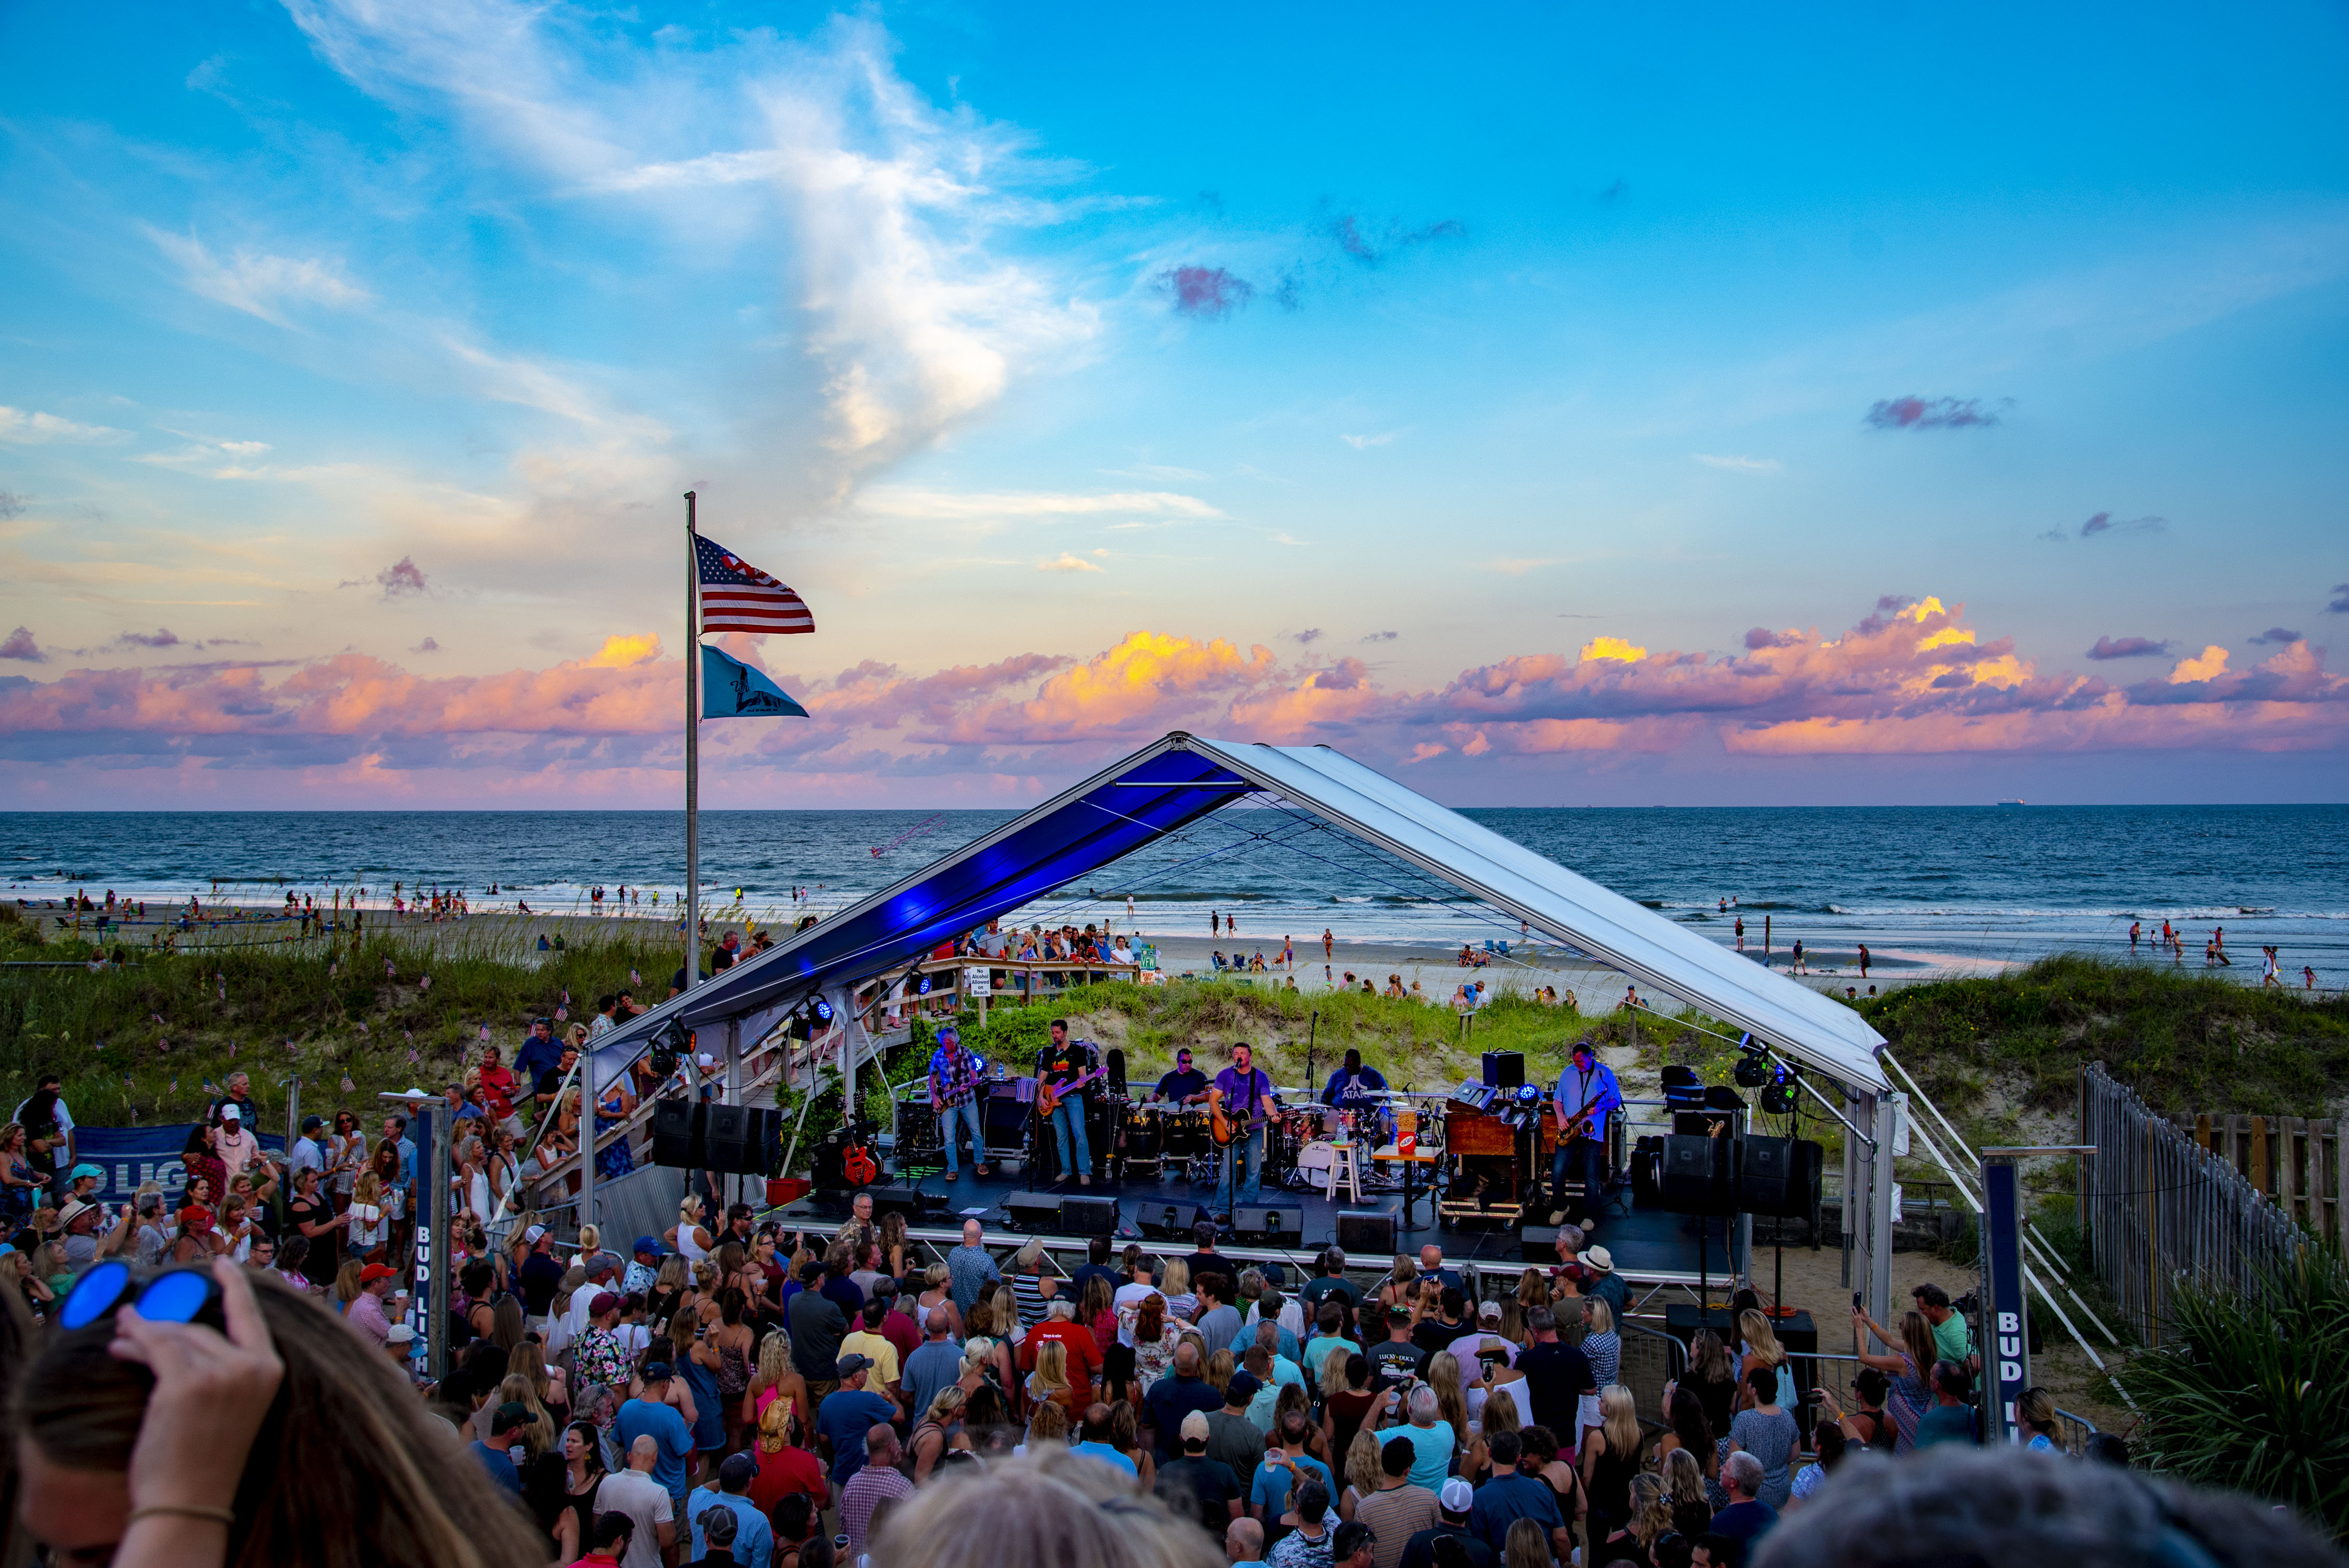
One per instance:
(1647, 1246)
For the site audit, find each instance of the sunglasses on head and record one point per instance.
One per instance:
(174, 1295)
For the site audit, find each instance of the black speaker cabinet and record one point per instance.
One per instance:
(677, 1134)
(1084, 1216)
(1115, 1060)
(1648, 1172)
(1695, 1176)
(1167, 1221)
(1366, 1234)
(1779, 1176)
(1505, 1069)
(1272, 1224)
(1539, 1243)
(1033, 1211)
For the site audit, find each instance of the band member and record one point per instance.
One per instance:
(957, 1078)
(1355, 1087)
(1065, 1064)
(1585, 1090)
(1245, 1095)
(1187, 1084)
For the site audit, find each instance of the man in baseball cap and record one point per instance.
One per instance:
(496, 1455)
(848, 1414)
(1455, 1498)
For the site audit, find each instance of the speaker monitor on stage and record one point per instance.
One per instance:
(1269, 1224)
(1034, 1213)
(1085, 1216)
(1539, 1243)
(1369, 1234)
(677, 1134)
(1695, 1176)
(1169, 1221)
(1505, 1069)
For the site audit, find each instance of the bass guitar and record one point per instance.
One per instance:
(1048, 1098)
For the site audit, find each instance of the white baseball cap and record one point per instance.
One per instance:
(1457, 1496)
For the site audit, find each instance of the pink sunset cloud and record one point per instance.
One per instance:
(1912, 679)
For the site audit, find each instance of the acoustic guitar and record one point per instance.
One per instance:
(1224, 1131)
(1048, 1098)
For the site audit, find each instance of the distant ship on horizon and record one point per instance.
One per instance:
(2014, 802)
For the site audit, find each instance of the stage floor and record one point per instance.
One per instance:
(1644, 1244)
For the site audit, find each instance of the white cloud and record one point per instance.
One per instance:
(259, 284)
(1740, 465)
(30, 426)
(1516, 566)
(1362, 443)
(1067, 562)
(899, 500)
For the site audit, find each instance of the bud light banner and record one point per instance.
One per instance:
(2005, 1339)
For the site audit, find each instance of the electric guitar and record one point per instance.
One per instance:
(1048, 1098)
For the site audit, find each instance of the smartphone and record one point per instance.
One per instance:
(1858, 1301)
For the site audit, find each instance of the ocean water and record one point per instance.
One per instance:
(1925, 888)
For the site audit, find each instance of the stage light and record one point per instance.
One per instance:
(671, 1044)
(1778, 1099)
(1754, 1065)
(821, 1009)
(923, 989)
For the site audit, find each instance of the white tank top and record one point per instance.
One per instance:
(687, 1248)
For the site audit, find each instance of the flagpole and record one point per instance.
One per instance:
(692, 750)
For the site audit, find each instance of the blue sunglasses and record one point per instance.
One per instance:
(175, 1295)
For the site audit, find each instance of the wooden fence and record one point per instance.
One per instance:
(2294, 1161)
(2161, 1208)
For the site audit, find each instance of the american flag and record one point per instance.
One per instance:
(736, 596)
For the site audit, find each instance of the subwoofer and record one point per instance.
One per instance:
(677, 1134)
(1695, 1176)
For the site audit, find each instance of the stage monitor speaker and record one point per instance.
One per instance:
(677, 1134)
(1695, 1179)
(1505, 1069)
(1033, 1211)
(910, 1201)
(1366, 1234)
(1084, 1216)
(1116, 1061)
(1005, 1119)
(1539, 1243)
(1168, 1222)
(1269, 1224)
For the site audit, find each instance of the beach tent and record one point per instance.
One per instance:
(1181, 779)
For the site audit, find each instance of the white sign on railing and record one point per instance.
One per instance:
(975, 982)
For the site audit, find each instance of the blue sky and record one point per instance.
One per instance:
(1006, 335)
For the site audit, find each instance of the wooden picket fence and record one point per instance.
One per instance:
(2294, 1161)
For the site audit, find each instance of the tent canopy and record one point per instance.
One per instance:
(1181, 779)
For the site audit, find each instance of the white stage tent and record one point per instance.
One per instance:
(1181, 779)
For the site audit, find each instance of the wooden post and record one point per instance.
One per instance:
(2152, 1245)
(2259, 1171)
(2201, 1131)
(2286, 1186)
(2341, 1177)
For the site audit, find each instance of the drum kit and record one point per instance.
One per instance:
(1157, 1136)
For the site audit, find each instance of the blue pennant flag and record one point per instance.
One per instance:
(733, 689)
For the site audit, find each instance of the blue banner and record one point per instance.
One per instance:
(2005, 1344)
(733, 689)
(130, 1155)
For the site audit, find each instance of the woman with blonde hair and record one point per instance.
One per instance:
(1911, 1369)
(983, 1352)
(1363, 1474)
(1762, 1349)
(1651, 1515)
(773, 1377)
(1220, 1368)
(1051, 1506)
(1050, 1378)
(1451, 1404)
(933, 1435)
(1610, 1458)
(372, 1227)
(1400, 1287)
(1174, 1284)
(938, 1291)
(1526, 1546)
(1533, 1290)
(550, 1384)
(784, 1466)
(687, 1238)
(347, 1284)
(1686, 1491)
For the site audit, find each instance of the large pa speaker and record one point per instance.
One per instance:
(677, 1134)
(1505, 1069)
(1539, 1243)
(1779, 1176)
(1115, 1062)
(1084, 1216)
(1695, 1176)
(744, 1139)
(1269, 1224)
(1367, 1233)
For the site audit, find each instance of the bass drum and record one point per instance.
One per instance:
(1313, 1163)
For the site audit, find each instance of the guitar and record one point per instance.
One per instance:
(1048, 1098)
(1221, 1129)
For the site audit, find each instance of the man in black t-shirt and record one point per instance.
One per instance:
(542, 1272)
(1207, 1260)
(1196, 1485)
(1187, 1084)
(1451, 1323)
(1395, 1357)
(1557, 1375)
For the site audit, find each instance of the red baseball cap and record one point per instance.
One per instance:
(374, 1272)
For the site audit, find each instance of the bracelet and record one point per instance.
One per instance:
(226, 1516)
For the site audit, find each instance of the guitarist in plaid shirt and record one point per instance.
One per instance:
(957, 1078)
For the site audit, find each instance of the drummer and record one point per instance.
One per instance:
(1355, 1087)
(1186, 1084)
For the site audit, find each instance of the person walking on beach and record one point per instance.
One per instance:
(2307, 978)
(1864, 960)
(1741, 933)
(1798, 957)
(2135, 926)
(1329, 945)
(2269, 975)
(1214, 924)
(2218, 945)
